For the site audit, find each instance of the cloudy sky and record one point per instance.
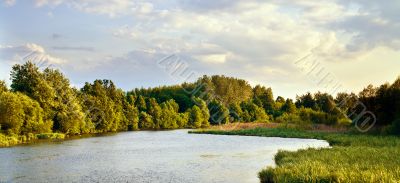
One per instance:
(354, 42)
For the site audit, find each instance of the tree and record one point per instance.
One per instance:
(325, 102)
(219, 114)
(235, 112)
(227, 89)
(204, 111)
(28, 80)
(346, 101)
(25, 78)
(368, 92)
(103, 103)
(196, 117)
(253, 113)
(182, 119)
(19, 114)
(264, 96)
(131, 116)
(145, 121)
(306, 101)
(3, 87)
(141, 104)
(169, 115)
(289, 106)
(154, 110)
(279, 102)
(68, 116)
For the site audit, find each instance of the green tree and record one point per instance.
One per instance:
(3, 87)
(264, 96)
(131, 116)
(145, 121)
(227, 89)
(141, 104)
(306, 101)
(289, 106)
(235, 112)
(19, 114)
(219, 114)
(183, 119)
(154, 110)
(204, 111)
(169, 115)
(325, 102)
(28, 80)
(196, 117)
(68, 115)
(103, 103)
(252, 112)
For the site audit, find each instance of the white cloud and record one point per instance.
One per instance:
(251, 39)
(28, 52)
(112, 8)
(212, 58)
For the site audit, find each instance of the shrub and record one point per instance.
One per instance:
(290, 118)
(50, 136)
(6, 141)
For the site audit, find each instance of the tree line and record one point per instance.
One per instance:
(43, 101)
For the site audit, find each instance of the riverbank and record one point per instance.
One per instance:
(13, 140)
(352, 157)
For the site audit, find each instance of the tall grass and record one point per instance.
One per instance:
(352, 158)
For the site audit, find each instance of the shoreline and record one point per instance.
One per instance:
(26, 140)
(350, 158)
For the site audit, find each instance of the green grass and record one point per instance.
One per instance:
(352, 157)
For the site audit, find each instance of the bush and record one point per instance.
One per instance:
(50, 136)
(6, 141)
(393, 129)
(290, 118)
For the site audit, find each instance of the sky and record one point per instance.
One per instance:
(291, 46)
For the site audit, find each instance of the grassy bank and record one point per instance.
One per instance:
(12, 140)
(352, 158)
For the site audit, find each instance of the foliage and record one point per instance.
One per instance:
(289, 106)
(19, 114)
(145, 121)
(263, 97)
(3, 87)
(103, 101)
(68, 117)
(219, 114)
(235, 111)
(252, 112)
(227, 90)
(196, 117)
(50, 136)
(8, 140)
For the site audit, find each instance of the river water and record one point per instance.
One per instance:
(145, 156)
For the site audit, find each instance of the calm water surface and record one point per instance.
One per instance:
(163, 156)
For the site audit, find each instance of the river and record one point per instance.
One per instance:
(146, 156)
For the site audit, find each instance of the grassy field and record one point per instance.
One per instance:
(352, 157)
